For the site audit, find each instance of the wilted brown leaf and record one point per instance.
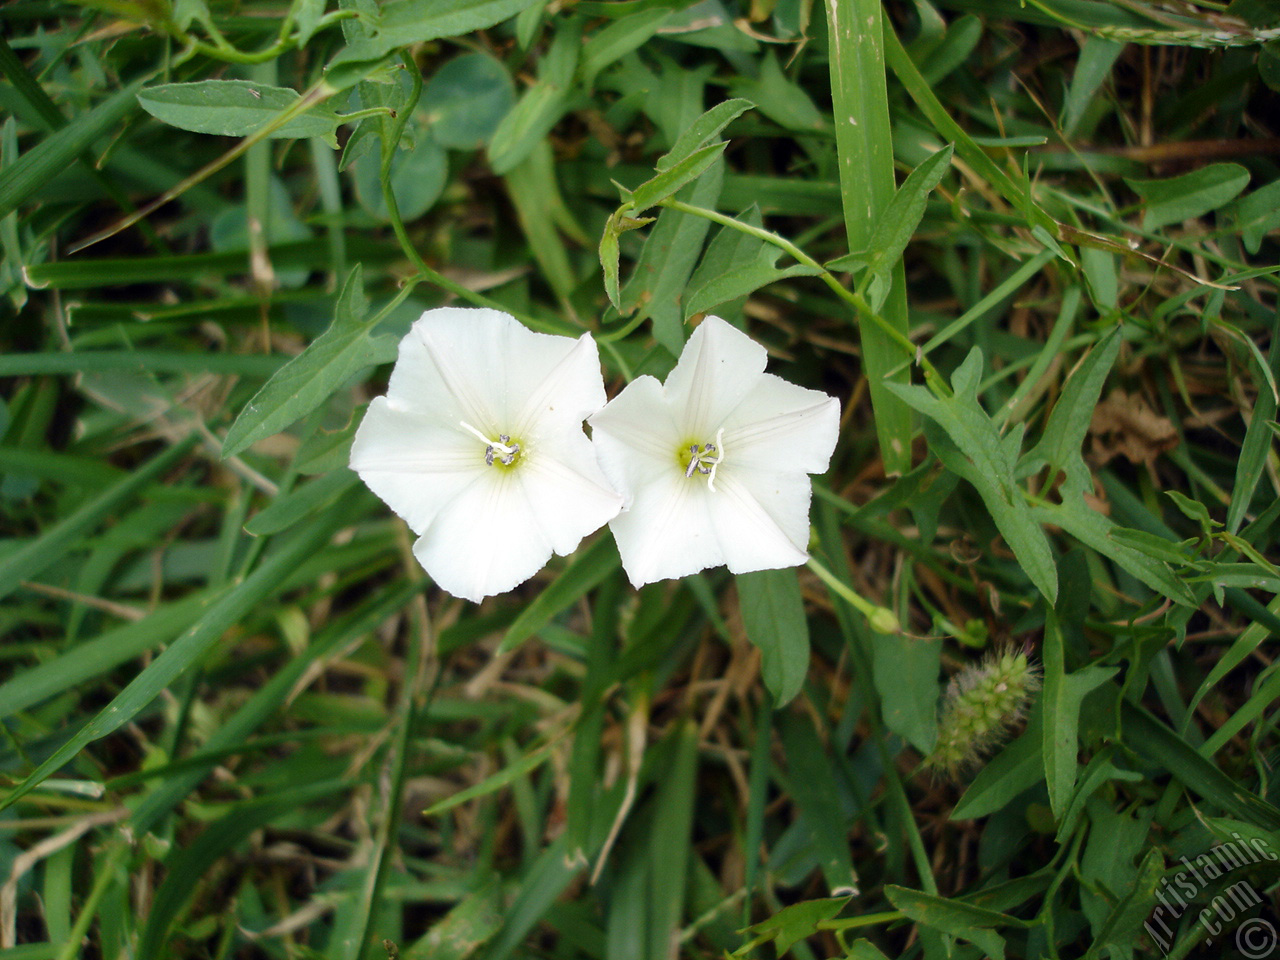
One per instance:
(1125, 425)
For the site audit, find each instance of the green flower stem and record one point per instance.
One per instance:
(882, 619)
(367, 112)
(855, 300)
(622, 331)
(222, 49)
(397, 222)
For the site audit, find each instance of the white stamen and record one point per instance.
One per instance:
(706, 458)
(711, 477)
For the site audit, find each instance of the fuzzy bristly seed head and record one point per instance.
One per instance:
(982, 702)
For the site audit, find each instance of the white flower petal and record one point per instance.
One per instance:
(761, 519)
(635, 436)
(780, 426)
(486, 368)
(566, 491)
(720, 365)
(452, 367)
(413, 463)
(487, 542)
(557, 382)
(667, 531)
(479, 446)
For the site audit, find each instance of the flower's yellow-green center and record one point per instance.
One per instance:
(501, 453)
(702, 458)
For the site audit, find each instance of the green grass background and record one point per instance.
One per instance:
(1031, 247)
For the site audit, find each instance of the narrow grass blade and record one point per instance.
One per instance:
(670, 843)
(234, 604)
(52, 155)
(95, 657)
(37, 555)
(864, 147)
(268, 699)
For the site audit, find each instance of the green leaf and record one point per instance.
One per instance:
(236, 108)
(1064, 434)
(1124, 925)
(735, 265)
(1258, 214)
(467, 926)
(906, 677)
(1153, 545)
(1016, 768)
(659, 281)
(542, 105)
(898, 224)
(669, 844)
(609, 256)
(308, 379)
(860, 41)
(1257, 440)
(1063, 694)
(301, 502)
(1014, 187)
(506, 776)
(954, 917)
(979, 454)
(466, 100)
(534, 189)
(618, 39)
(773, 615)
(902, 216)
(1078, 518)
(52, 155)
(1155, 741)
(86, 660)
(792, 924)
(812, 781)
(1097, 56)
(1100, 770)
(233, 732)
(526, 124)
(186, 865)
(1190, 195)
(307, 15)
(669, 181)
(401, 23)
(780, 98)
(702, 131)
(418, 177)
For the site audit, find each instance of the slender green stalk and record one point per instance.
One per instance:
(397, 222)
(882, 619)
(222, 49)
(863, 309)
(316, 94)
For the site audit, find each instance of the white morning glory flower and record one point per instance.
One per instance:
(714, 464)
(479, 446)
